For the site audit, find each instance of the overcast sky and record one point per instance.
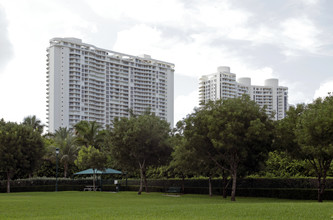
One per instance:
(291, 40)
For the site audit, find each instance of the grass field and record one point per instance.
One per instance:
(129, 205)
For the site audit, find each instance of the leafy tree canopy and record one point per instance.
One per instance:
(89, 134)
(34, 123)
(234, 133)
(314, 135)
(139, 142)
(66, 142)
(20, 149)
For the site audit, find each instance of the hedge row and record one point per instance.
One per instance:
(301, 183)
(51, 188)
(52, 181)
(281, 193)
(269, 183)
(277, 188)
(304, 194)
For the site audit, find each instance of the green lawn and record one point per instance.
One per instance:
(129, 205)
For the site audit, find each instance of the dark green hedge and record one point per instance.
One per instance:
(51, 188)
(43, 188)
(51, 181)
(302, 183)
(304, 194)
(302, 188)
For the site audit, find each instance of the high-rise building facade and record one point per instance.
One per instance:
(85, 82)
(223, 85)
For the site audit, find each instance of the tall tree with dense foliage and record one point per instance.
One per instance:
(182, 163)
(68, 149)
(139, 142)
(234, 133)
(314, 135)
(196, 130)
(90, 157)
(34, 123)
(89, 134)
(307, 134)
(285, 131)
(191, 149)
(241, 132)
(280, 164)
(20, 149)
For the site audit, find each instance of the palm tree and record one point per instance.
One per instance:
(89, 134)
(68, 149)
(34, 123)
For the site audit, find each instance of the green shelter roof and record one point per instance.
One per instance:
(95, 171)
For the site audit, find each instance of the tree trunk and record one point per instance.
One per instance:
(322, 184)
(65, 169)
(183, 183)
(141, 180)
(224, 185)
(145, 180)
(234, 181)
(8, 182)
(321, 167)
(320, 194)
(94, 176)
(210, 185)
(224, 193)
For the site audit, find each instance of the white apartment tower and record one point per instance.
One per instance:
(85, 82)
(223, 85)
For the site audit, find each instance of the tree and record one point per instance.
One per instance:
(20, 149)
(90, 157)
(314, 135)
(235, 134)
(140, 142)
(89, 134)
(306, 133)
(196, 132)
(285, 131)
(183, 161)
(181, 164)
(68, 150)
(282, 165)
(242, 132)
(190, 152)
(34, 123)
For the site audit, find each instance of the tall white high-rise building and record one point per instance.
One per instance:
(85, 82)
(223, 85)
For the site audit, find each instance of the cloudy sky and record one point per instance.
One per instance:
(291, 40)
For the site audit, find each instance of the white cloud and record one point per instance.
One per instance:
(324, 89)
(194, 58)
(198, 36)
(215, 20)
(151, 11)
(5, 45)
(258, 76)
(201, 14)
(185, 104)
(310, 2)
(296, 93)
(300, 34)
(293, 36)
(221, 15)
(22, 84)
(139, 39)
(22, 94)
